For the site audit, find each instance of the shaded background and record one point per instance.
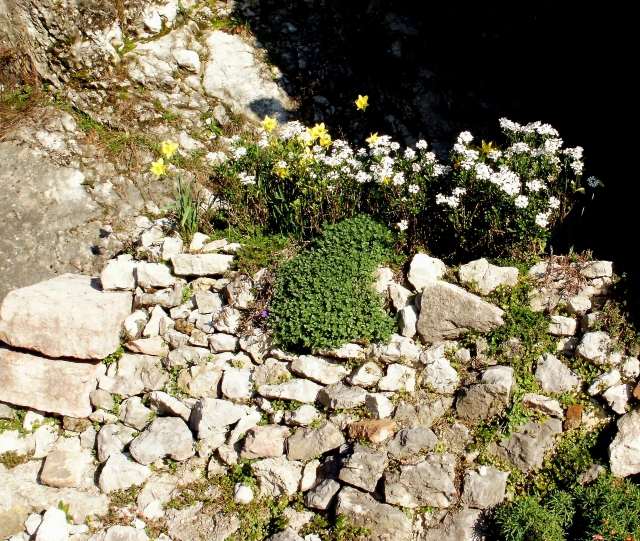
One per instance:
(431, 70)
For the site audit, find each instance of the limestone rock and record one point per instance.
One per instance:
(43, 384)
(562, 326)
(398, 378)
(54, 526)
(363, 468)
(265, 442)
(624, 451)
(407, 321)
(597, 269)
(321, 496)
(543, 404)
(210, 416)
(301, 390)
(67, 316)
(340, 396)
(554, 376)
(447, 311)
(166, 436)
(430, 482)
(425, 270)
(121, 473)
(438, 375)
(595, 347)
(399, 349)
(366, 375)
(119, 273)
(134, 413)
(486, 277)
(484, 488)
(308, 443)
(154, 275)
(277, 476)
(236, 384)
(373, 430)
(318, 369)
(459, 526)
(65, 468)
(411, 442)
(112, 439)
(489, 397)
(201, 264)
(384, 522)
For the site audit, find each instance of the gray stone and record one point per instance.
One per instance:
(488, 398)
(167, 298)
(624, 451)
(430, 482)
(134, 375)
(111, 439)
(101, 399)
(236, 384)
(363, 468)
(154, 275)
(200, 381)
(562, 326)
(66, 468)
(318, 369)
(257, 345)
(408, 443)
(220, 342)
(448, 311)
(597, 269)
(486, 277)
(543, 404)
(67, 316)
(264, 442)
(121, 473)
(604, 382)
(210, 416)
(399, 349)
(119, 273)
(192, 524)
(439, 376)
(208, 302)
(302, 416)
(379, 405)
(484, 488)
(186, 355)
(134, 413)
(554, 376)
(425, 270)
(618, 397)
(300, 390)
(526, 447)
(201, 264)
(384, 522)
(165, 404)
(595, 347)
(461, 525)
(307, 443)
(407, 321)
(239, 292)
(166, 436)
(288, 534)
(340, 396)
(400, 296)
(124, 533)
(321, 496)
(277, 476)
(43, 384)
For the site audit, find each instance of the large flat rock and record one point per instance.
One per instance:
(448, 311)
(67, 316)
(52, 385)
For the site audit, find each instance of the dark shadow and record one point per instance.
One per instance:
(432, 69)
(269, 106)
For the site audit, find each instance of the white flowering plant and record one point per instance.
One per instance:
(488, 200)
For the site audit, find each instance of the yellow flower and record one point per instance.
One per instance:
(281, 169)
(269, 123)
(373, 139)
(158, 168)
(324, 140)
(168, 149)
(362, 102)
(317, 131)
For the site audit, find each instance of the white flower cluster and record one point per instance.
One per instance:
(452, 200)
(531, 128)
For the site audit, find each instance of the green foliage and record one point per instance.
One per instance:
(11, 459)
(125, 497)
(528, 519)
(187, 210)
(259, 249)
(324, 298)
(609, 509)
(340, 530)
(187, 293)
(114, 357)
(64, 507)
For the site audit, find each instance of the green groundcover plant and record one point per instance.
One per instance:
(324, 297)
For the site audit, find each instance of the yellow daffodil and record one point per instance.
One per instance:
(318, 131)
(281, 169)
(269, 123)
(158, 168)
(324, 140)
(373, 139)
(362, 102)
(168, 149)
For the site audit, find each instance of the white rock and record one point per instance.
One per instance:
(171, 246)
(153, 326)
(486, 277)
(121, 473)
(554, 376)
(198, 241)
(624, 451)
(543, 404)
(208, 302)
(201, 264)
(399, 348)
(165, 436)
(45, 437)
(210, 416)
(579, 305)
(54, 526)
(134, 324)
(11, 441)
(407, 321)
(220, 342)
(366, 375)
(604, 381)
(32, 419)
(597, 269)
(187, 59)
(65, 317)
(382, 279)
(119, 273)
(438, 375)
(242, 494)
(277, 476)
(630, 368)
(347, 352)
(154, 275)
(425, 269)
(398, 378)
(228, 320)
(301, 390)
(562, 326)
(236, 384)
(400, 296)
(379, 405)
(153, 22)
(32, 523)
(318, 369)
(66, 467)
(302, 416)
(618, 397)
(155, 346)
(165, 404)
(595, 347)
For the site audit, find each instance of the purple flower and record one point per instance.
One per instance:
(264, 313)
